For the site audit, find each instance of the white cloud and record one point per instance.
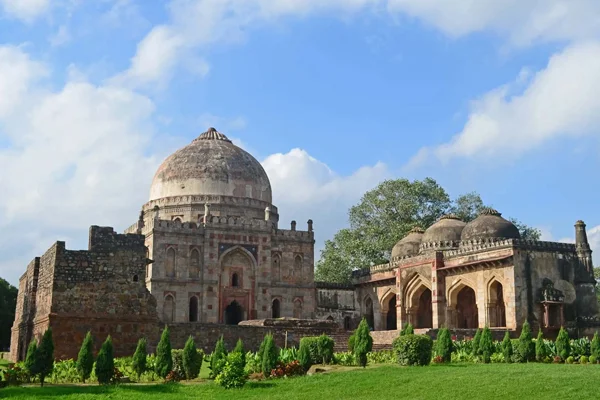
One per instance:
(522, 21)
(306, 188)
(77, 156)
(61, 37)
(560, 101)
(26, 10)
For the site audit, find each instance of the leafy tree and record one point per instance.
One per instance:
(218, 358)
(192, 359)
(85, 358)
(527, 232)
(363, 343)
(139, 357)
(563, 344)
(486, 345)
(31, 364)
(270, 356)
(475, 344)
(507, 348)
(526, 348)
(8, 305)
(45, 356)
(382, 217)
(105, 363)
(444, 345)
(164, 358)
(541, 352)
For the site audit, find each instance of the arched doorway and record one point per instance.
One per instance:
(276, 309)
(347, 323)
(369, 313)
(466, 309)
(193, 309)
(424, 312)
(234, 313)
(496, 308)
(391, 317)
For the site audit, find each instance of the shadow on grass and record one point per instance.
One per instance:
(260, 385)
(63, 390)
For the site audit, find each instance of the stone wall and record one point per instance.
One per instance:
(206, 335)
(337, 303)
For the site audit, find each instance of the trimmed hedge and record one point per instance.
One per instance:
(320, 348)
(413, 349)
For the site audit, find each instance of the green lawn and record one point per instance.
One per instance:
(457, 381)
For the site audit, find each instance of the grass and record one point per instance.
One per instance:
(492, 381)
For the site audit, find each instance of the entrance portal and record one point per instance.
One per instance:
(234, 313)
(466, 309)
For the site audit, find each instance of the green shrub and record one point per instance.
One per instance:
(351, 340)
(105, 363)
(595, 346)
(541, 351)
(192, 359)
(164, 358)
(218, 358)
(239, 347)
(363, 343)
(593, 359)
(139, 358)
(507, 348)
(407, 330)
(45, 356)
(486, 345)
(475, 343)
(85, 358)
(570, 360)
(31, 364)
(382, 357)
(304, 356)
(444, 346)
(270, 355)
(563, 345)
(233, 374)
(413, 349)
(526, 348)
(177, 357)
(583, 359)
(325, 348)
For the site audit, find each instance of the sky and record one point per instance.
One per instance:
(499, 97)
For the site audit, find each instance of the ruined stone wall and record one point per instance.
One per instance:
(100, 290)
(22, 329)
(338, 303)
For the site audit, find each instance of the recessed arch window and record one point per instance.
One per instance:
(235, 280)
(170, 265)
(168, 308)
(194, 270)
(193, 309)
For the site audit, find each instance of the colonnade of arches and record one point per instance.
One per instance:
(462, 311)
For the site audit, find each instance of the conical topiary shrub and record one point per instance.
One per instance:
(85, 358)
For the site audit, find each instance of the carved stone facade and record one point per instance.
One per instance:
(468, 276)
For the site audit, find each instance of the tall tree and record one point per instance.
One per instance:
(386, 214)
(8, 304)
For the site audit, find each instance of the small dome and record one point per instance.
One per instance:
(211, 165)
(446, 229)
(490, 224)
(409, 244)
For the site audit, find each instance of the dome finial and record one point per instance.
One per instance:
(212, 134)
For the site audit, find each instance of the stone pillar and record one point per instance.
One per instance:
(310, 225)
(293, 227)
(546, 315)
(438, 292)
(267, 213)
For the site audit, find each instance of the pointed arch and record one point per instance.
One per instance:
(169, 309)
(417, 300)
(297, 266)
(193, 309)
(369, 313)
(227, 254)
(171, 258)
(298, 308)
(496, 305)
(276, 267)
(462, 303)
(194, 270)
(276, 308)
(388, 307)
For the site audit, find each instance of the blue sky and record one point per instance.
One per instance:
(333, 96)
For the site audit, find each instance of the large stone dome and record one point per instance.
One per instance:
(446, 229)
(490, 224)
(211, 165)
(409, 244)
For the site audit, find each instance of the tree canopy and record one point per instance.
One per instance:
(386, 214)
(8, 304)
